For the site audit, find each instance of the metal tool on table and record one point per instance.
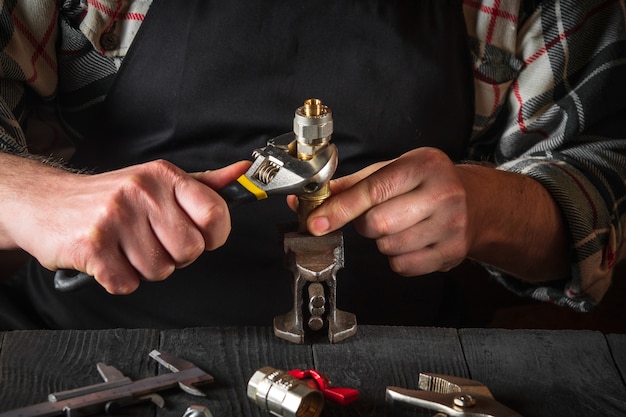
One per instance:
(313, 260)
(119, 391)
(197, 411)
(450, 396)
(295, 393)
(278, 169)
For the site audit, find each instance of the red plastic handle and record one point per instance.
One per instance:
(339, 395)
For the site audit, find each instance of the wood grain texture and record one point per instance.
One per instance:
(535, 372)
(547, 373)
(617, 344)
(375, 358)
(378, 357)
(231, 355)
(36, 363)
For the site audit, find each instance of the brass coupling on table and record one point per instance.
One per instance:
(283, 395)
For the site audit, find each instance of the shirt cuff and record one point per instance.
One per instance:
(591, 235)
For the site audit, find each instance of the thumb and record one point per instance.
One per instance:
(218, 178)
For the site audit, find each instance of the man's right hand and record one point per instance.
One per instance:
(140, 222)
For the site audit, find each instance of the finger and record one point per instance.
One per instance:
(406, 241)
(113, 272)
(389, 181)
(98, 254)
(340, 184)
(176, 234)
(163, 235)
(217, 179)
(206, 209)
(292, 202)
(336, 186)
(145, 251)
(425, 261)
(446, 235)
(394, 216)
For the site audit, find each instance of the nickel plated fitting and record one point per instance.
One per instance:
(313, 127)
(283, 395)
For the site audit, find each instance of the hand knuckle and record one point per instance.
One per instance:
(195, 249)
(163, 167)
(399, 266)
(113, 282)
(383, 246)
(162, 271)
(380, 189)
(214, 216)
(190, 251)
(381, 222)
(87, 247)
(432, 158)
(216, 224)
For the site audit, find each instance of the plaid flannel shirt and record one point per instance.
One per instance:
(549, 78)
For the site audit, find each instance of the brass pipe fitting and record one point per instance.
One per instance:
(313, 127)
(280, 394)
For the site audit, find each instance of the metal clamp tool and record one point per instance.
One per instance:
(313, 260)
(118, 390)
(450, 396)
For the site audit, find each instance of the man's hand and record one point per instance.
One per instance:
(140, 222)
(415, 207)
(427, 214)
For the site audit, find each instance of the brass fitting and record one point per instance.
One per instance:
(313, 127)
(282, 395)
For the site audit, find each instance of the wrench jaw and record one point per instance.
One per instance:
(314, 262)
(275, 171)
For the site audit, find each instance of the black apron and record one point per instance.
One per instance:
(206, 83)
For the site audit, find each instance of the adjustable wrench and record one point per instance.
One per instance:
(275, 170)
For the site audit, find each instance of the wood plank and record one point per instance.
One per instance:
(379, 356)
(617, 343)
(542, 372)
(534, 372)
(375, 358)
(36, 363)
(231, 355)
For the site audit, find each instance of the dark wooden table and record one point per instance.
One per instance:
(535, 372)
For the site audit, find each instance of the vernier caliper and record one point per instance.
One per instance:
(118, 390)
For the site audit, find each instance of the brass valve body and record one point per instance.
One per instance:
(313, 126)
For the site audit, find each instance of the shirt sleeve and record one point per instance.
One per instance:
(50, 50)
(554, 111)
(28, 65)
